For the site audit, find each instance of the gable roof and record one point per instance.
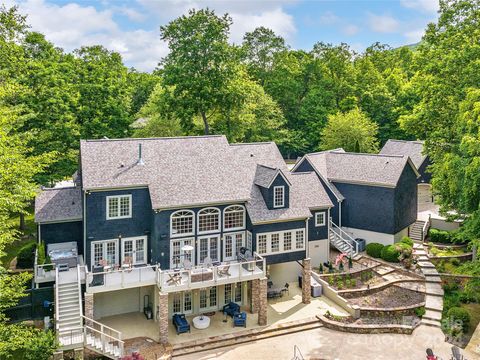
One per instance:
(368, 169)
(265, 176)
(58, 204)
(413, 149)
(191, 171)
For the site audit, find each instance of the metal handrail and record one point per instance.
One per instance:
(89, 275)
(79, 286)
(425, 228)
(353, 244)
(57, 310)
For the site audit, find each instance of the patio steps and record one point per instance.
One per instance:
(245, 336)
(416, 231)
(69, 312)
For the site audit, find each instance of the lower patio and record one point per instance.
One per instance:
(281, 310)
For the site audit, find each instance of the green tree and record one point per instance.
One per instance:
(259, 49)
(199, 64)
(142, 85)
(353, 131)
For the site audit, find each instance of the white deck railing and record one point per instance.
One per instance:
(201, 276)
(343, 237)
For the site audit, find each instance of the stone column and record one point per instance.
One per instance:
(163, 317)
(255, 295)
(58, 355)
(78, 354)
(88, 308)
(306, 281)
(262, 302)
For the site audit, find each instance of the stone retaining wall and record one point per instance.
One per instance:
(349, 293)
(462, 257)
(366, 329)
(353, 274)
(401, 310)
(398, 268)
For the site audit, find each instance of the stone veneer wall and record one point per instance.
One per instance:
(259, 300)
(306, 281)
(88, 308)
(163, 317)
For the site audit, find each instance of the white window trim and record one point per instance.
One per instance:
(236, 228)
(182, 302)
(118, 197)
(217, 230)
(323, 223)
(145, 245)
(224, 246)
(172, 235)
(193, 252)
(281, 245)
(92, 250)
(283, 196)
(210, 307)
(219, 251)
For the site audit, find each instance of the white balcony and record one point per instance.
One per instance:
(173, 280)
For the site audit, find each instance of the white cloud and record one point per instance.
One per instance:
(328, 18)
(132, 14)
(383, 23)
(428, 6)
(350, 30)
(414, 36)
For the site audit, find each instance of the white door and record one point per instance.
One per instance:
(208, 247)
(208, 299)
(135, 249)
(231, 245)
(104, 251)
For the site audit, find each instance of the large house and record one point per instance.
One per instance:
(374, 196)
(189, 224)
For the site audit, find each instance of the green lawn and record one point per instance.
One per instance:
(28, 236)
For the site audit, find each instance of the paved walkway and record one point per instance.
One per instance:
(328, 344)
(433, 288)
(474, 344)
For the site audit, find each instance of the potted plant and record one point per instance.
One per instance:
(320, 268)
(350, 262)
(341, 267)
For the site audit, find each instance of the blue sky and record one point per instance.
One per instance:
(132, 27)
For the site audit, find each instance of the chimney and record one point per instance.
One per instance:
(140, 159)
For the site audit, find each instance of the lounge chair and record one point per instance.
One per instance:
(224, 270)
(230, 309)
(181, 323)
(240, 319)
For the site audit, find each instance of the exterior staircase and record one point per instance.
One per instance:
(418, 231)
(75, 330)
(342, 241)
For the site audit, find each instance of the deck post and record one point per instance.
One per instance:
(259, 300)
(306, 281)
(89, 309)
(163, 317)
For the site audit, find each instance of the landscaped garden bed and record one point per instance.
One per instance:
(358, 280)
(390, 297)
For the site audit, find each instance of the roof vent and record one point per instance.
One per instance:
(140, 159)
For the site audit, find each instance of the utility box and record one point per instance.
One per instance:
(315, 288)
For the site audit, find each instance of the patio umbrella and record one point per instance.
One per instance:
(187, 248)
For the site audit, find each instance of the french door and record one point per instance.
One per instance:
(232, 244)
(105, 252)
(208, 246)
(178, 255)
(182, 302)
(135, 250)
(208, 299)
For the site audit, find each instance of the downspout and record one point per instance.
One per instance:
(328, 235)
(340, 214)
(307, 245)
(85, 228)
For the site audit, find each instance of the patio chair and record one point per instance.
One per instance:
(127, 263)
(240, 319)
(224, 270)
(187, 265)
(231, 308)
(207, 262)
(181, 323)
(97, 280)
(174, 279)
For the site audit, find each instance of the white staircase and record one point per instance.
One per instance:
(418, 231)
(342, 241)
(75, 330)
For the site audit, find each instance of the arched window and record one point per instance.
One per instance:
(208, 220)
(181, 223)
(234, 217)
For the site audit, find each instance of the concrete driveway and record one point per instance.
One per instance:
(323, 343)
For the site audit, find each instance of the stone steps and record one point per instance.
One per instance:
(433, 279)
(433, 323)
(245, 337)
(432, 315)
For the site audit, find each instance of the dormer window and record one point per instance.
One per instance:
(278, 196)
(119, 207)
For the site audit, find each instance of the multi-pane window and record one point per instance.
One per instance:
(275, 242)
(278, 196)
(177, 303)
(104, 252)
(234, 217)
(208, 220)
(262, 244)
(299, 239)
(203, 298)
(228, 293)
(182, 223)
(182, 302)
(119, 207)
(319, 219)
(249, 240)
(238, 242)
(213, 296)
(187, 301)
(208, 298)
(238, 292)
(178, 255)
(287, 241)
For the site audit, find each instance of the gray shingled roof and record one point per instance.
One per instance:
(413, 149)
(375, 169)
(59, 204)
(265, 175)
(187, 171)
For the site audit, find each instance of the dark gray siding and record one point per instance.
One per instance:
(406, 199)
(63, 232)
(425, 175)
(268, 193)
(368, 207)
(317, 232)
(99, 228)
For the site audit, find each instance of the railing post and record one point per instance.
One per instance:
(102, 337)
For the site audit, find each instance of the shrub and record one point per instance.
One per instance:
(441, 236)
(455, 262)
(353, 282)
(420, 311)
(339, 285)
(331, 280)
(374, 250)
(461, 315)
(407, 240)
(26, 256)
(450, 286)
(320, 268)
(390, 253)
(348, 283)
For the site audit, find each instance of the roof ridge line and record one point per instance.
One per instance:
(155, 138)
(368, 154)
(407, 141)
(253, 143)
(59, 188)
